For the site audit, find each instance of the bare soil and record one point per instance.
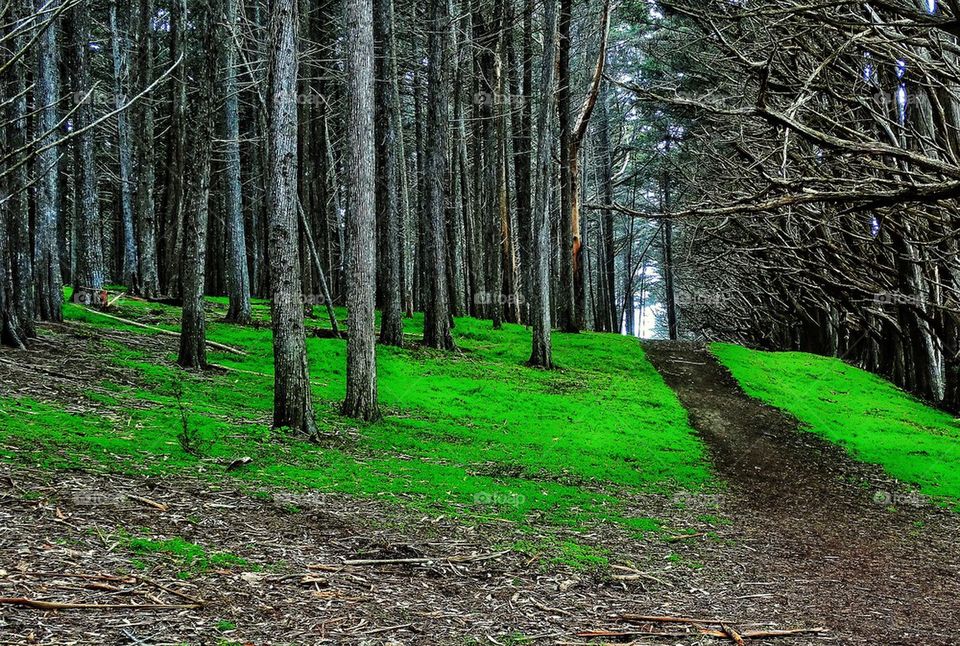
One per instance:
(825, 532)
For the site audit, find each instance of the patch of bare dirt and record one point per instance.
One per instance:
(814, 528)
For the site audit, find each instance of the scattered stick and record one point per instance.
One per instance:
(732, 634)
(96, 577)
(182, 595)
(660, 619)
(160, 330)
(56, 605)
(684, 537)
(415, 561)
(147, 501)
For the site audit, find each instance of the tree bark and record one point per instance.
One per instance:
(149, 279)
(88, 280)
(436, 328)
(542, 352)
(48, 280)
(193, 337)
(361, 399)
(388, 202)
(238, 278)
(292, 397)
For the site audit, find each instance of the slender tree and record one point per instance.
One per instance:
(361, 399)
(542, 352)
(88, 280)
(238, 278)
(193, 337)
(125, 152)
(48, 280)
(146, 217)
(388, 197)
(436, 327)
(292, 399)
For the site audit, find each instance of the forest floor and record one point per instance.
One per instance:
(111, 513)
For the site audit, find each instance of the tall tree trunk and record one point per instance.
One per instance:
(292, 398)
(388, 202)
(361, 399)
(668, 283)
(88, 280)
(16, 258)
(521, 66)
(238, 278)
(542, 353)
(566, 305)
(579, 307)
(174, 197)
(193, 337)
(48, 280)
(149, 279)
(436, 327)
(608, 310)
(131, 262)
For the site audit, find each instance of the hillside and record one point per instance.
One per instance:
(565, 487)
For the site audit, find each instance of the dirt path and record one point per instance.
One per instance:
(816, 526)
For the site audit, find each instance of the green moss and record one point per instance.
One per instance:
(189, 555)
(872, 419)
(473, 433)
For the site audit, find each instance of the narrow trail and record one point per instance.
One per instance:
(814, 522)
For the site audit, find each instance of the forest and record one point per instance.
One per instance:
(479, 321)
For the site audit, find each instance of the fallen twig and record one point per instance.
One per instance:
(160, 330)
(414, 561)
(57, 605)
(732, 634)
(152, 503)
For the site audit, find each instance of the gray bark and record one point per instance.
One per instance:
(292, 399)
(436, 327)
(238, 279)
(48, 280)
(361, 399)
(146, 207)
(88, 280)
(388, 203)
(130, 256)
(542, 353)
(193, 339)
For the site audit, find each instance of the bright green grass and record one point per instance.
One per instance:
(872, 419)
(194, 558)
(474, 434)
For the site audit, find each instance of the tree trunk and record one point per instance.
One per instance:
(193, 337)
(88, 280)
(542, 352)
(16, 259)
(436, 327)
(48, 280)
(172, 236)
(149, 279)
(361, 399)
(388, 203)
(292, 398)
(238, 278)
(131, 262)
